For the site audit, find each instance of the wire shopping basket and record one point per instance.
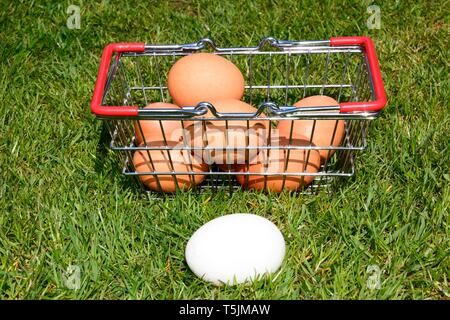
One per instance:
(277, 74)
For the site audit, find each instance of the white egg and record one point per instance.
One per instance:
(235, 248)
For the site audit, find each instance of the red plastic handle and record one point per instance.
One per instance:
(380, 94)
(96, 102)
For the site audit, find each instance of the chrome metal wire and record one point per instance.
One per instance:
(277, 74)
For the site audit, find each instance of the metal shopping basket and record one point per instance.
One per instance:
(277, 74)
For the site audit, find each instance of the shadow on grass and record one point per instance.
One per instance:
(108, 162)
(102, 149)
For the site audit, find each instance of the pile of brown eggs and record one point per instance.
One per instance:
(205, 77)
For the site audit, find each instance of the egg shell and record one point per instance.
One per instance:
(203, 77)
(232, 134)
(152, 128)
(182, 162)
(235, 248)
(274, 161)
(323, 130)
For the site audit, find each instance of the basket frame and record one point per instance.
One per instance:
(119, 117)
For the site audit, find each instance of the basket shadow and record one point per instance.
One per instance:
(101, 149)
(106, 162)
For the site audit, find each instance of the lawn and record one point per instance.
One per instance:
(64, 202)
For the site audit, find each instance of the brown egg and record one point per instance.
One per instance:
(202, 77)
(323, 130)
(235, 134)
(275, 162)
(182, 162)
(152, 128)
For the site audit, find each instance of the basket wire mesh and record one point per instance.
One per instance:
(277, 74)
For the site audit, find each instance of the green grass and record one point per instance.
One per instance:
(63, 200)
